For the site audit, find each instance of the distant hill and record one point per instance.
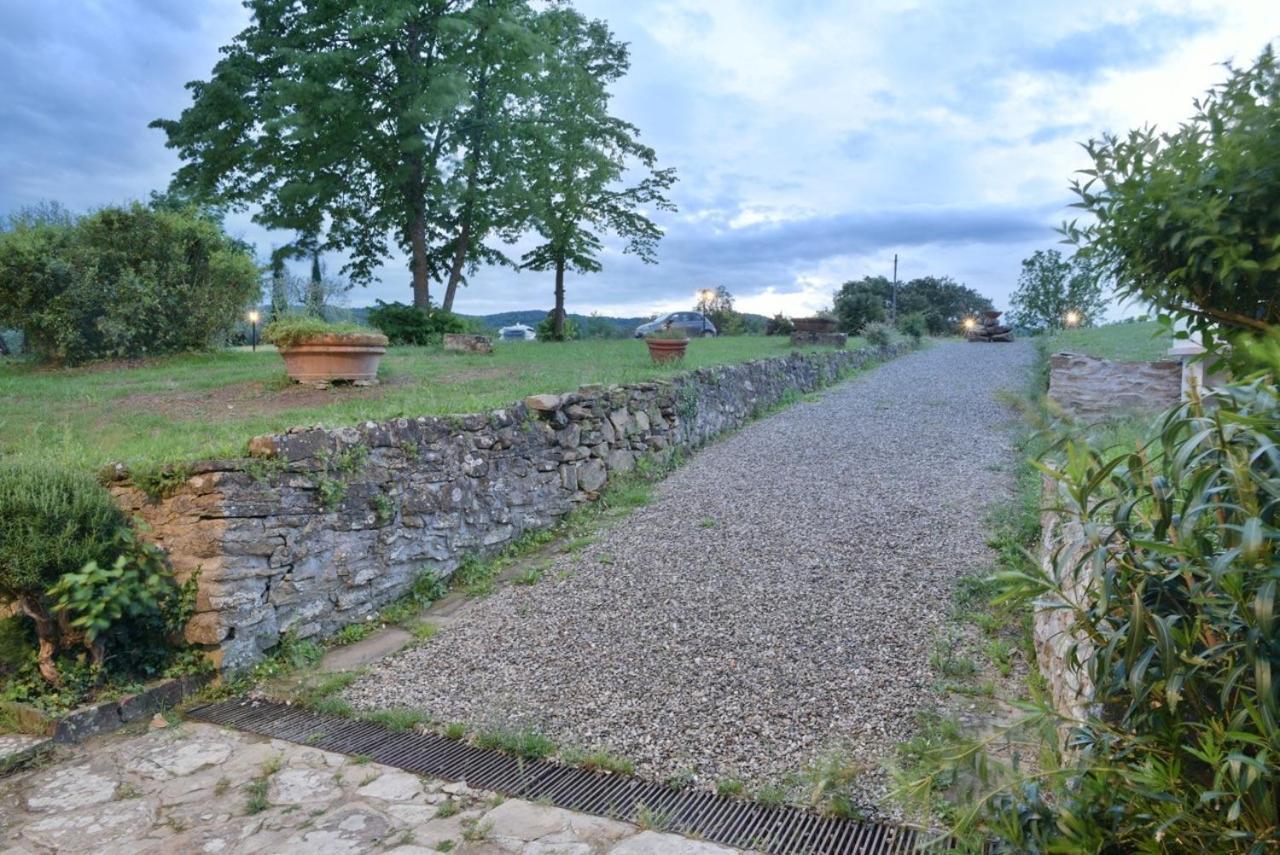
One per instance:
(533, 317)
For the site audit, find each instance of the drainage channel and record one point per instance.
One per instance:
(733, 822)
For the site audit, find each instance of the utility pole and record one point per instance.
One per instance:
(895, 289)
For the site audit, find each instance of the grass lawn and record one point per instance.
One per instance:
(209, 404)
(1136, 342)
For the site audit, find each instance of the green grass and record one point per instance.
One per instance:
(1143, 341)
(194, 406)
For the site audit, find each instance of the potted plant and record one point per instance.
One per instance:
(316, 351)
(667, 345)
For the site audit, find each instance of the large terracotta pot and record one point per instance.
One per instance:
(815, 325)
(326, 358)
(667, 349)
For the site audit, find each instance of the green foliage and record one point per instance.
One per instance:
(528, 744)
(403, 324)
(730, 787)
(295, 329)
(878, 334)
(943, 302)
(914, 325)
(123, 282)
(779, 324)
(397, 718)
(95, 599)
(577, 155)
(546, 329)
(1051, 288)
(1180, 548)
(1190, 220)
(55, 521)
(354, 632)
(717, 305)
(598, 761)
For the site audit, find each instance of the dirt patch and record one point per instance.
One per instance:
(228, 403)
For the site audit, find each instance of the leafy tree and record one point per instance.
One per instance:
(1190, 220)
(557, 327)
(335, 118)
(574, 156)
(501, 65)
(718, 306)
(862, 302)
(944, 302)
(1051, 289)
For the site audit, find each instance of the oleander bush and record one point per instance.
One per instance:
(122, 282)
(1181, 750)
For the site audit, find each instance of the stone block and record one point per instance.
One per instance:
(463, 343)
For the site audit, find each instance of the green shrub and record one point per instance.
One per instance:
(779, 324)
(1183, 552)
(122, 282)
(546, 329)
(878, 334)
(75, 569)
(292, 329)
(1189, 220)
(403, 324)
(914, 325)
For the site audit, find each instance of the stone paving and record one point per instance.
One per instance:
(192, 788)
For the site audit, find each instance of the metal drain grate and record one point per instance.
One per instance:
(732, 822)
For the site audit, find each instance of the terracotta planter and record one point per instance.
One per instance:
(667, 349)
(327, 358)
(815, 325)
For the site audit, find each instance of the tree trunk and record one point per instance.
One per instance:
(421, 281)
(557, 322)
(459, 260)
(47, 634)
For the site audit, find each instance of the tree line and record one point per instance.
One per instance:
(429, 126)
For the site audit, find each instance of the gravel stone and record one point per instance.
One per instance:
(779, 599)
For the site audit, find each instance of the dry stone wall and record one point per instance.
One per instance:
(1061, 649)
(320, 528)
(1091, 388)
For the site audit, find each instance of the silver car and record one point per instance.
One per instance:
(694, 324)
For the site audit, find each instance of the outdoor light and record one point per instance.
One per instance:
(1072, 318)
(254, 317)
(705, 296)
(969, 323)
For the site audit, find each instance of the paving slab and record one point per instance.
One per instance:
(191, 788)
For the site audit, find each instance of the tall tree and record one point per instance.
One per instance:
(503, 57)
(575, 155)
(333, 118)
(1054, 291)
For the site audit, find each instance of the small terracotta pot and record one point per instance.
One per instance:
(326, 358)
(815, 325)
(667, 349)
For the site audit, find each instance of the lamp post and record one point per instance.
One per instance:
(1072, 318)
(254, 317)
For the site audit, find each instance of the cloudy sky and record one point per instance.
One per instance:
(814, 138)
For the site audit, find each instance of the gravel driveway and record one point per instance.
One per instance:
(779, 599)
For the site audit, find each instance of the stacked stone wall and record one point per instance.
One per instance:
(1091, 388)
(319, 528)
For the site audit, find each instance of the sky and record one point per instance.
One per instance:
(814, 139)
